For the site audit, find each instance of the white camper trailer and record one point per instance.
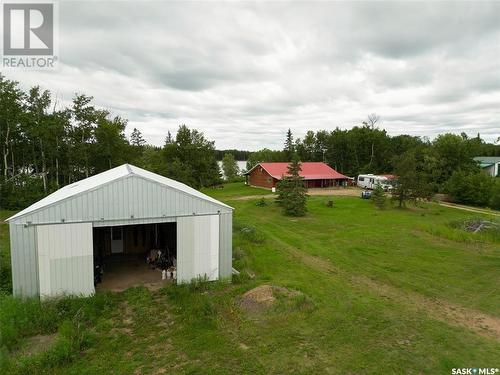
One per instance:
(370, 181)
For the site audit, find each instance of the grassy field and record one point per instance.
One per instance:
(234, 191)
(367, 292)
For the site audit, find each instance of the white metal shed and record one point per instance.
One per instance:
(53, 241)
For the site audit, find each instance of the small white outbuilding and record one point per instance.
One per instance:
(123, 211)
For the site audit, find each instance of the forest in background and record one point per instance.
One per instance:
(45, 146)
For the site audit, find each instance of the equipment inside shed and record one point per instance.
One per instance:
(131, 255)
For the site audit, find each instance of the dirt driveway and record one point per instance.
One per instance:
(470, 209)
(347, 192)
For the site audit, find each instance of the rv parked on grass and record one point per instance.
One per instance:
(370, 181)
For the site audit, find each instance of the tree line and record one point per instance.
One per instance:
(424, 167)
(240, 155)
(46, 145)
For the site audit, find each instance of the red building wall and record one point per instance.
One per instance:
(259, 177)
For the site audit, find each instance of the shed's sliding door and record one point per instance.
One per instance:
(197, 247)
(65, 259)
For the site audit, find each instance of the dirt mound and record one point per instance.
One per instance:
(264, 296)
(261, 296)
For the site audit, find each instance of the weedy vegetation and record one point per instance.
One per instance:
(351, 289)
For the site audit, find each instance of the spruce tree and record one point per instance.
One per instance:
(136, 138)
(292, 192)
(378, 197)
(289, 146)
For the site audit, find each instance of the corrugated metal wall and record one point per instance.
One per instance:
(226, 246)
(197, 248)
(24, 260)
(130, 200)
(65, 259)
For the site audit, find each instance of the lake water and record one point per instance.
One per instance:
(241, 165)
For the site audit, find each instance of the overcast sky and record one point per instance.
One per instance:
(243, 73)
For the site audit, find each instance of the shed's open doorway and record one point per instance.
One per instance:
(132, 255)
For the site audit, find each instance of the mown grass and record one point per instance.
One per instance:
(235, 190)
(396, 246)
(333, 325)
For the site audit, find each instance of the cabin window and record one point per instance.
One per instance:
(361, 178)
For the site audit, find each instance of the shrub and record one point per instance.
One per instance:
(470, 188)
(251, 234)
(5, 274)
(261, 203)
(378, 197)
(495, 195)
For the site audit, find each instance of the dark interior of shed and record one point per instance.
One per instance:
(130, 255)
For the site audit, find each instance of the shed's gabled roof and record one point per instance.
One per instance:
(487, 159)
(309, 171)
(100, 179)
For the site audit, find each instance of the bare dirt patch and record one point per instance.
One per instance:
(38, 344)
(470, 209)
(340, 192)
(123, 330)
(345, 192)
(476, 321)
(127, 316)
(258, 299)
(263, 297)
(248, 197)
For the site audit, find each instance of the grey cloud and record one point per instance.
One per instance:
(245, 72)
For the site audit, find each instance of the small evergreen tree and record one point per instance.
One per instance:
(289, 146)
(412, 182)
(230, 167)
(292, 193)
(378, 197)
(136, 138)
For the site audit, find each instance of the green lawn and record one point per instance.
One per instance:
(380, 292)
(235, 190)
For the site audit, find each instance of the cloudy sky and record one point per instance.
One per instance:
(243, 73)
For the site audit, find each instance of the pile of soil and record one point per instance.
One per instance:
(263, 297)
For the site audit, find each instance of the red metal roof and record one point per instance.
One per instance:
(309, 170)
(388, 176)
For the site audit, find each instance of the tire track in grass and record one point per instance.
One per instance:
(470, 209)
(480, 323)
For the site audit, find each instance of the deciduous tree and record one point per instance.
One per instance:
(230, 167)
